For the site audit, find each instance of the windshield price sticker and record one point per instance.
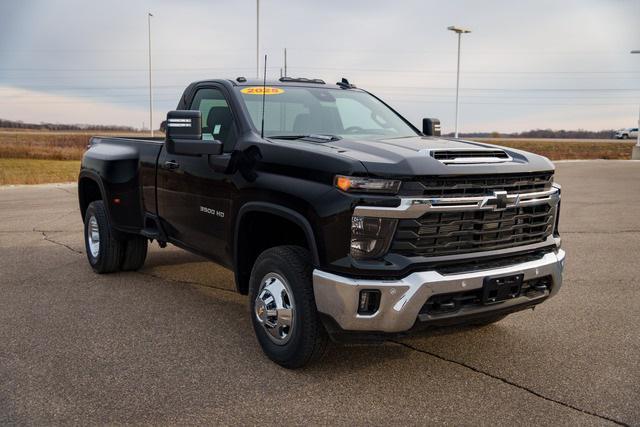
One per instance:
(259, 90)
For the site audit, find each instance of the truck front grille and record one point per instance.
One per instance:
(451, 233)
(477, 185)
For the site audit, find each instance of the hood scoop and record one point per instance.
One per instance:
(470, 157)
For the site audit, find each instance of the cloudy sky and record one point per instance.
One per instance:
(527, 64)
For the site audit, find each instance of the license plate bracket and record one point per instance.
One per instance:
(498, 289)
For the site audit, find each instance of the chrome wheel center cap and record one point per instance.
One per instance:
(93, 237)
(274, 308)
(261, 310)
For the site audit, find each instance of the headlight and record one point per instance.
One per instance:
(371, 237)
(367, 185)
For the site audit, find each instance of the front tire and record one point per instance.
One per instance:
(282, 307)
(104, 251)
(625, 136)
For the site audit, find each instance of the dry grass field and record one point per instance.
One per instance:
(19, 144)
(37, 171)
(38, 157)
(569, 149)
(31, 157)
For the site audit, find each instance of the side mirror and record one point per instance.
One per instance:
(184, 125)
(431, 127)
(184, 134)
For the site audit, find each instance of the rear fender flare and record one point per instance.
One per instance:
(92, 176)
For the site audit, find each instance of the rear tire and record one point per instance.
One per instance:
(625, 136)
(104, 251)
(134, 253)
(283, 309)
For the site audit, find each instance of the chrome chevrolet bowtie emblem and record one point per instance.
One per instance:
(498, 200)
(501, 200)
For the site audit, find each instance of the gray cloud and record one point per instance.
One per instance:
(526, 64)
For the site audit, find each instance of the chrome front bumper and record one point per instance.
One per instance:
(401, 300)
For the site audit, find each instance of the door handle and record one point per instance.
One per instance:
(172, 164)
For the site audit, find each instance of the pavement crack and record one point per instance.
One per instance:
(58, 218)
(511, 383)
(66, 190)
(49, 239)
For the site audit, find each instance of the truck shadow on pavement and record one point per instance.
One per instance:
(210, 279)
(180, 266)
(172, 275)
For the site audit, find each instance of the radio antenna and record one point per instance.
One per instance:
(264, 89)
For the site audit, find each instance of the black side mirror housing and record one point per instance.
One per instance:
(431, 127)
(184, 134)
(185, 124)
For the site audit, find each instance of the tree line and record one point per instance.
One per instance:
(534, 133)
(544, 133)
(12, 124)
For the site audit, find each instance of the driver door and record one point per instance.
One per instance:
(194, 194)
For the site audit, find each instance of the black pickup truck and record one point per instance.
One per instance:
(339, 218)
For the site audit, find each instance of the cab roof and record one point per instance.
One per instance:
(283, 81)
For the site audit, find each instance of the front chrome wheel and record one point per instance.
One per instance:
(275, 308)
(93, 237)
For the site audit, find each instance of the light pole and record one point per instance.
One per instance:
(257, 39)
(149, 16)
(635, 154)
(460, 32)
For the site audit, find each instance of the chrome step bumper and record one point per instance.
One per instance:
(401, 300)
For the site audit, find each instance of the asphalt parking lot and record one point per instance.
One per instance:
(172, 344)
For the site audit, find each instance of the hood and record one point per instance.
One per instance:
(412, 156)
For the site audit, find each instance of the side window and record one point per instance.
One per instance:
(217, 120)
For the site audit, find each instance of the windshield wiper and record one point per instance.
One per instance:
(313, 137)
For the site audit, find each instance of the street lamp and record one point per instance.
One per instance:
(460, 32)
(635, 154)
(149, 16)
(257, 38)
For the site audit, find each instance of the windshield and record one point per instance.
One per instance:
(300, 111)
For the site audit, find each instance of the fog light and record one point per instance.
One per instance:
(369, 301)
